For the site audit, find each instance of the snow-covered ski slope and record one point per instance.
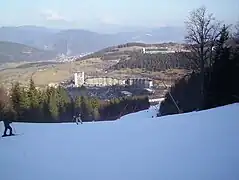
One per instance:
(194, 146)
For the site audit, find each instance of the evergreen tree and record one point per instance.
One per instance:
(21, 102)
(95, 114)
(62, 97)
(94, 103)
(218, 79)
(63, 101)
(53, 108)
(33, 95)
(220, 48)
(68, 104)
(77, 105)
(45, 103)
(15, 97)
(41, 108)
(34, 98)
(86, 109)
(24, 105)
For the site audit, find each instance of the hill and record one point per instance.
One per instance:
(77, 41)
(128, 49)
(14, 52)
(153, 62)
(120, 61)
(198, 145)
(129, 56)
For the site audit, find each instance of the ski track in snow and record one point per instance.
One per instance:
(193, 146)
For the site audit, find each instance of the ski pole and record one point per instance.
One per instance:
(1, 128)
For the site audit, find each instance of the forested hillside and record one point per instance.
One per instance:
(154, 62)
(55, 105)
(14, 52)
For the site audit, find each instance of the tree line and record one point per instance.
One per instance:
(214, 81)
(29, 104)
(154, 62)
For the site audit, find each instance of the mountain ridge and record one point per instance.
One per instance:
(14, 52)
(77, 41)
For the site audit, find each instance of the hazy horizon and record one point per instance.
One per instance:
(105, 14)
(109, 29)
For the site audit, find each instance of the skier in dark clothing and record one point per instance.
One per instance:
(7, 126)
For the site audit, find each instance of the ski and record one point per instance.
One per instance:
(11, 135)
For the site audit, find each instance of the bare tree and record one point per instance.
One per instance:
(202, 31)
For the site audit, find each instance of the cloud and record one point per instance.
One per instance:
(51, 15)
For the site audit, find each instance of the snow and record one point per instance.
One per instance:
(193, 146)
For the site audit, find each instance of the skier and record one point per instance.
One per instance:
(78, 119)
(7, 126)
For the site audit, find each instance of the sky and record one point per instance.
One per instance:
(96, 13)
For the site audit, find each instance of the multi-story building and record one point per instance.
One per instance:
(79, 78)
(103, 81)
(157, 51)
(140, 82)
